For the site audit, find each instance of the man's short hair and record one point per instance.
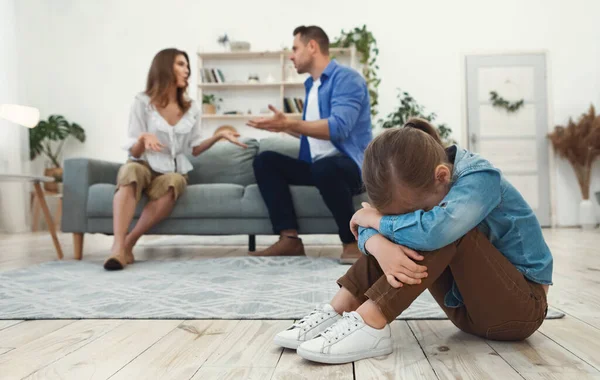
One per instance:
(316, 33)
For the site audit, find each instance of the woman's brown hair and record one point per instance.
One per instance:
(161, 77)
(407, 156)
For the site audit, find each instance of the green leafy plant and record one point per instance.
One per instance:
(366, 45)
(500, 102)
(210, 99)
(45, 133)
(408, 108)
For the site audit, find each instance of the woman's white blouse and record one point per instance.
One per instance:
(177, 140)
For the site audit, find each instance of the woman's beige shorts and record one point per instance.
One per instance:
(154, 184)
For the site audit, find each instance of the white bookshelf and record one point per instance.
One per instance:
(251, 100)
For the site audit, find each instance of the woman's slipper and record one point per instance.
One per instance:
(114, 263)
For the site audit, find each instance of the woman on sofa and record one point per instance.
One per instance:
(164, 126)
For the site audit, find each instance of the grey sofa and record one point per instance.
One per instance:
(222, 197)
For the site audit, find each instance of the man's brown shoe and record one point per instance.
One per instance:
(350, 254)
(286, 246)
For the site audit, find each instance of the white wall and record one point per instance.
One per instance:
(86, 60)
(13, 138)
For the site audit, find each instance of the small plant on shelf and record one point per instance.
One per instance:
(210, 104)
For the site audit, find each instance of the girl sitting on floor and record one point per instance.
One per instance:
(478, 244)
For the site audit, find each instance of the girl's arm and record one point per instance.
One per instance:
(466, 205)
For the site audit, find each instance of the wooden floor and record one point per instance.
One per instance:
(128, 349)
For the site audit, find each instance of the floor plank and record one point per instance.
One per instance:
(406, 362)
(28, 331)
(41, 352)
(106, 355)
(250, 344)
(539, 356)
(292, 366)
(577, 337)
(180, 353)
(454, 354)
(241, 373)
(7, 323)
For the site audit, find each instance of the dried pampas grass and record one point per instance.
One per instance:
(579, 143)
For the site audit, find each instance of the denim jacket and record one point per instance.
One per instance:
(479, 197)
(344, 102)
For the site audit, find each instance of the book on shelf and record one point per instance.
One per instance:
(212, 75)
(293, 105)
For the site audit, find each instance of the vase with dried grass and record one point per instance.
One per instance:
(579, 143)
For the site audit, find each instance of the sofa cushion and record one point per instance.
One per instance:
(219, 201)
(225, 163)
(198, 201)
(285, 144)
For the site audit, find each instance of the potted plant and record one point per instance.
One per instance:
(579, 143)
(410, 108)
(365, 44)
(209, 104)
(43, 139)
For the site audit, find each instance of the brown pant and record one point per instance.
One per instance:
(499, 302)
(154, 184)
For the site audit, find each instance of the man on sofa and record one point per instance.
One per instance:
(334, 133)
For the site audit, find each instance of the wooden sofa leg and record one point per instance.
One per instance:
(78, 245)
(251, 243)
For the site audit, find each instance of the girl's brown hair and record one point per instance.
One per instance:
(161, 77)
(407, 155)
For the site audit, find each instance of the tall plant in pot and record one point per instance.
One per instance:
(365, 44)
(579, 143)
(48, 138)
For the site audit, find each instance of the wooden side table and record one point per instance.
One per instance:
(36, 180)
(37, 207)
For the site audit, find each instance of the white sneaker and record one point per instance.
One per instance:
(308, 327)
(348, 340)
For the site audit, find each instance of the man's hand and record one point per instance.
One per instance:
(277, 123)
(151, 142)
(367, 217)
(232, 137)
(396, 261)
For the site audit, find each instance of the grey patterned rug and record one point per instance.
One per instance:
(223, 288)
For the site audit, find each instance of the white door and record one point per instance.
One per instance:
(515, 142)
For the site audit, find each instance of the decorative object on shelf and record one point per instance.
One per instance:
(410, 108)
(253, 78)
(41, 141)
(270, 78)
(239, 46)
(366, 45)
(291, 74)
(209, 104)
(223, 40)
(500, 102)
(579, 143)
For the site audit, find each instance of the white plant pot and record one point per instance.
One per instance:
(587, 216)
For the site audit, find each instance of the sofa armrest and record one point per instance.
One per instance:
(78, 175)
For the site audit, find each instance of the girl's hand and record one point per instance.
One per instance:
(232, 137)
(396, 261)
(151, 142)
(367, 217)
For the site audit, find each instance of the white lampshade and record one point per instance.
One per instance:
(22, 115)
